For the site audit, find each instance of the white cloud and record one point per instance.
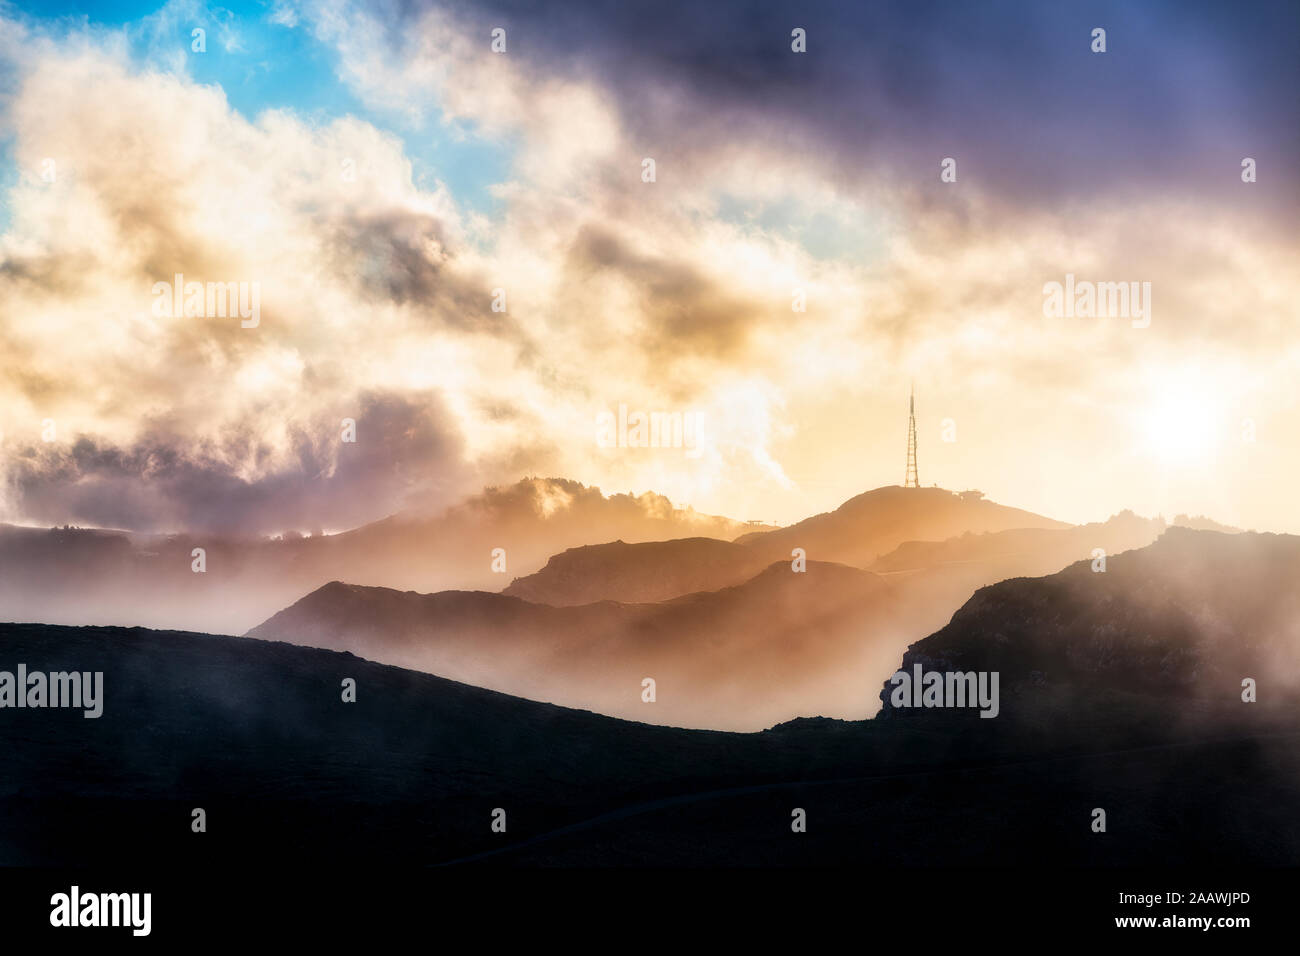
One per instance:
(618, 290)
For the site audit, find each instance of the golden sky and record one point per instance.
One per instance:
(377, 289)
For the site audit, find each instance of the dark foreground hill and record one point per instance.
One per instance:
(1185, 621)
(1121, 693)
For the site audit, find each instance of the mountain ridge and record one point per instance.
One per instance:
(257, 732)
(709, 652)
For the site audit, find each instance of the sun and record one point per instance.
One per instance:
(1180, 422)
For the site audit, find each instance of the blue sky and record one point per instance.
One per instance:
(277, 67)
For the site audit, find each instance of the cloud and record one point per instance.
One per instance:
(157, 176)
(885, 91)
(283, 14)
(777, 173)
(406, 452)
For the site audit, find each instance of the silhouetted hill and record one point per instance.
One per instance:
(880, 519)
(871, 524)
(531, 520)
(1024, 552)
(1202, 523)
(257, 734)
(1177, 625)
(87, 576)
(77, 576)
(824, 633)
(934, 578)
(638, 573)
(739, 657)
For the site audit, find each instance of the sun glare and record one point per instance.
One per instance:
(1179, 424)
